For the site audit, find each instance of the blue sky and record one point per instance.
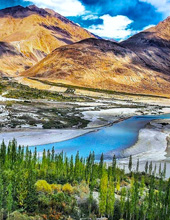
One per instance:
(115, 19)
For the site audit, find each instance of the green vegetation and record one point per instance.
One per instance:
(58, 187)
(25, 92)
(17, 90)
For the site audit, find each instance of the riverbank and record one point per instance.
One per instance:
(42, 136)
(153, 145)
(36, 135)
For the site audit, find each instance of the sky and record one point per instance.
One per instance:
(110, 19)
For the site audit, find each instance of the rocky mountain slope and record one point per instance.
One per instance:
(153, 46)
(28, 34)
(41, 43)
(101, 64)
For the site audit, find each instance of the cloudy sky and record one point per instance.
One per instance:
(115, 19)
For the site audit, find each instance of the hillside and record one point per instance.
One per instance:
(153, 46)
(28, 34)
(100, 64)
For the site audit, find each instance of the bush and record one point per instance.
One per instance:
(43, 186)
(68, 188)
(18, 216)
(56, 187)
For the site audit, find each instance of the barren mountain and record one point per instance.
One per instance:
(102, 64)
(40, 43)
(28, 34)
(153, 46)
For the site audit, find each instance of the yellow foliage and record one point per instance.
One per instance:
(68, 188)
(43, 186)
(56, 187)
(118, 185)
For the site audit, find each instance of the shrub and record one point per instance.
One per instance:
(43, 186)
(18, 216)
(56, 187)
(68, 188)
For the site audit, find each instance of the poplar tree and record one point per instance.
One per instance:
(160, 170)
(164, 170)
(146, 167)
(110, 199)
(130, 163)
(101, 165)
(137, 166)
(155, 168)
(114, 166)
(122, 201)
(9, 199)
(150, 168)
(103, 193)
(1, 191)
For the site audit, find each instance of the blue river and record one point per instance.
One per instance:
(109, 139)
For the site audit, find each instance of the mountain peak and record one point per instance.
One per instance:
(33, 7)
(21, 12)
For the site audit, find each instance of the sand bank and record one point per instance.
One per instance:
(41, 137)
(153, 145)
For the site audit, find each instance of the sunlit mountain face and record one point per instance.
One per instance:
(28, 34)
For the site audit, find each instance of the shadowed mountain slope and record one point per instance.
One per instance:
(153, 46)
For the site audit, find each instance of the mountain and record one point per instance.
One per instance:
(41, 43)
(153, 46)
(28, 34)
(101, 64)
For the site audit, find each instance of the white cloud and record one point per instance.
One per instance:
(112, 27)
(64, 7)
(90, 17)
(161, 5)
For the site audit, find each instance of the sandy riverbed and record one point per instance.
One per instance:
(42, 136)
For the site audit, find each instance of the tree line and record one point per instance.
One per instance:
(47, 186)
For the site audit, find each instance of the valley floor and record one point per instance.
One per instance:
(49, 117)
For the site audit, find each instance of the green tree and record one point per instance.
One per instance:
(103, 193)
(110, 199)
(1, 192)
(160, 170)
(130, 163)
(122, 201)
(155, 168)
(101, 165)
(137, 166)
(9, 199)
(150, 168)
(146, 167)
(164, 170)
(114, 166)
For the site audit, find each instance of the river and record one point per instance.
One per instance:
(114, 138)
